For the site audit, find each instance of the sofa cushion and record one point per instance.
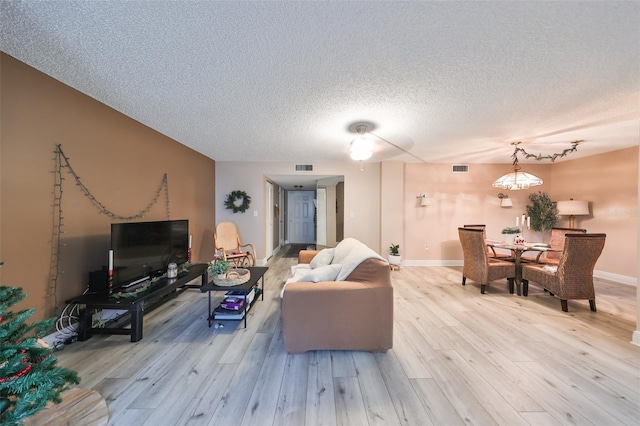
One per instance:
(322, 273)
(323, 258)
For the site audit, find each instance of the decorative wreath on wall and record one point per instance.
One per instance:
(232, 201)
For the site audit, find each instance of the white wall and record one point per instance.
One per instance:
(361, 198)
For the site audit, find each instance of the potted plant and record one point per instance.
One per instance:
(542, 211)
(510, 233)
(219, 268)
(394, 254)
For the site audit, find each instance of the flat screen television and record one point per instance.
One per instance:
(144, 249)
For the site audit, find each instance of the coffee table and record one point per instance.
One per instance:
(256, 274)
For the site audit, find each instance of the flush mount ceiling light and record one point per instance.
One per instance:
(361, 148)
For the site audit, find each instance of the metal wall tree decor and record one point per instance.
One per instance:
(238, 201)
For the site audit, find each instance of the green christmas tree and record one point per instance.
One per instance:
(29, 377)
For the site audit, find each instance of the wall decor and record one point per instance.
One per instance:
(234, 197)
(62, 162)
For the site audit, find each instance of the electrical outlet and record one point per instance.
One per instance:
(426, 246)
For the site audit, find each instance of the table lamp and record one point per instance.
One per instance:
(573, 208)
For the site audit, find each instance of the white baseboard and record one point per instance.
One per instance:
(432, 263)
(635, 340)
(622, 279)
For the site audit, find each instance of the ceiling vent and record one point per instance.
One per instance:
(304, 167)
(460, 168)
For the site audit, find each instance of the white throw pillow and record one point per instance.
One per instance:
(298, 267)
(323, 258)
(323, 273)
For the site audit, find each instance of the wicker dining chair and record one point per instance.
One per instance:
(490, 250)
(552, 257)
(478, 266)
(228, 246)
(573, 278)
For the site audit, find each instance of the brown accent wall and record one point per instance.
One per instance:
(120, 160)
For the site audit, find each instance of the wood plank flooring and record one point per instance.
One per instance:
(459, 357)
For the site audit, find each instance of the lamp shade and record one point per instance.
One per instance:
(573, 208)
(506, 202)
(517, 180)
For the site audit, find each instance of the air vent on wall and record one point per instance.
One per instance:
(304, 167)
(460, 168)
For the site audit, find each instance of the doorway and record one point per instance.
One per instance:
(301, 217)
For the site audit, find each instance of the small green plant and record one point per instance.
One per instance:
(219, 267)
(542, 211)
(394, 249)
(511, 230)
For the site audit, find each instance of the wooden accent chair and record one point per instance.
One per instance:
(228, 246)
(557, 244)
(490, 250)
(478, 266)
(574, 276)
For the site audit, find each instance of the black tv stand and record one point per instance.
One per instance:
(157, 294)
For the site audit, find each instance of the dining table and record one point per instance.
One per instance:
(517, 250)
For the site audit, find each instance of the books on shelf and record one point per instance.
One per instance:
(226, 314)
(233, 305)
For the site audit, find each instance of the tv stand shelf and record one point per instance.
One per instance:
(157, 294)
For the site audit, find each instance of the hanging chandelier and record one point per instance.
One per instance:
(518, 179)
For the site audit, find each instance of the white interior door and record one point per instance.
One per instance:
(300, 215)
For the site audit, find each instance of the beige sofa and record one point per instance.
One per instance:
(352, 312)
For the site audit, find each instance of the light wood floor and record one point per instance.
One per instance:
(459, 357)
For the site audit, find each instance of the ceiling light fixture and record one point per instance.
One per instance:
(517, 180)
(361, 148)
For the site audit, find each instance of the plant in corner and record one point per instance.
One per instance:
(542, 211)
(394, 254)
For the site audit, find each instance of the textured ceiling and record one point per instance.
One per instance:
(284, 81)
